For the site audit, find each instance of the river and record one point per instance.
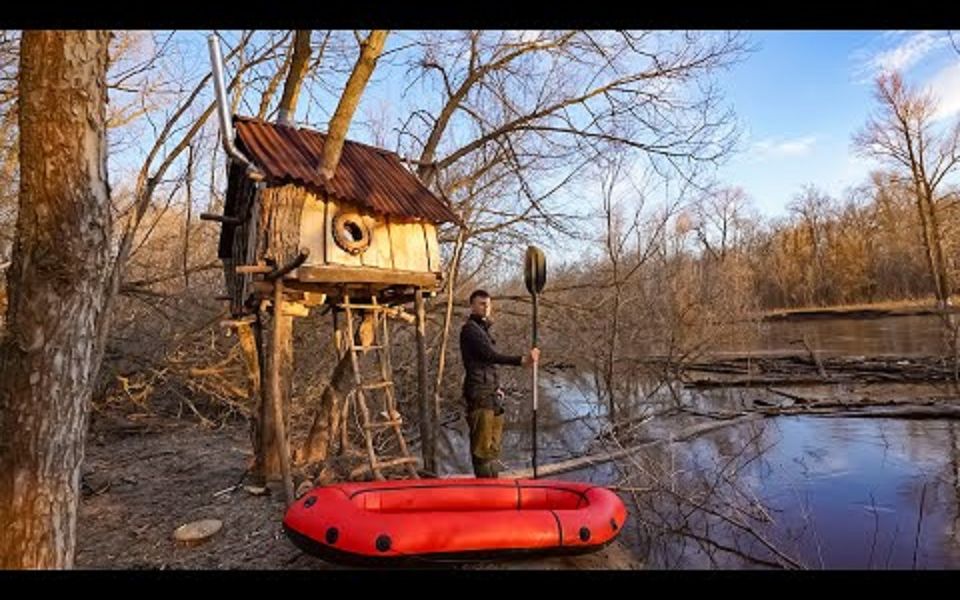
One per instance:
(801, 491)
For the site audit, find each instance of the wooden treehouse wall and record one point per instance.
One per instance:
(292, 217)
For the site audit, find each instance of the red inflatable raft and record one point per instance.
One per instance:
(459, 519)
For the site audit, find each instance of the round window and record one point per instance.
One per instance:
(351, 233)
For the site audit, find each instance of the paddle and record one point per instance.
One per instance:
(535, 275)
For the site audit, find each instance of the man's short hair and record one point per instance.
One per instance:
(478, 294)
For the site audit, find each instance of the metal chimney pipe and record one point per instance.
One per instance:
(226, 128)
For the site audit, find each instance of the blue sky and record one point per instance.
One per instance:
(798, 98)
(803, 94)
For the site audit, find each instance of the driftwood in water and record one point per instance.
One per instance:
(595, 459)
(873, 410)
(903, 412)
(753, 371)
(719, 420)
(813, 355)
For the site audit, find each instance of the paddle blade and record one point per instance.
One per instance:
(535, 270)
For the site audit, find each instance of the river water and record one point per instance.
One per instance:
(816, 492)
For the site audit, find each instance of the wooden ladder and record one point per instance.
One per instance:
(370, 422)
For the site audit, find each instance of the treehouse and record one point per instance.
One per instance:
(361, 243)
(370, 230)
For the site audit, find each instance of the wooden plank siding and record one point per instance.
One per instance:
(403, 245)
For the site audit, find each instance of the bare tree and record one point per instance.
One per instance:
(520, 116)
(63, 255)
(903, 135)
(327, 416)
(513, 121)
(813, 208)
(721, 217)
(620, 232)
(60, 292)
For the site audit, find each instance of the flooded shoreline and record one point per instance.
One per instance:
(780, 492)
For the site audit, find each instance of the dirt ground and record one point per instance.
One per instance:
(144, 476)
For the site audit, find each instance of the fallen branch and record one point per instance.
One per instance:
(815, 358)
(790, 396)
(941, 411)
(604, 457)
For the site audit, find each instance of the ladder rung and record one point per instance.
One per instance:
(381, 424)
(368, 306)
(370, 347)
(376, 386)
(396, 462)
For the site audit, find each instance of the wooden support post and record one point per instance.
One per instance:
(276, 399)
(264, 410)
(448, 317)
(428, 444)
(248, 332)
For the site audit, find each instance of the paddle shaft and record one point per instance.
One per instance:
(536, 387)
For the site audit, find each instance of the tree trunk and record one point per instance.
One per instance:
(279, 229)
(929, 244)
(936, 240)
(249, 335)
(59, 295)
(295, 76)
(281, 364)
(326, 422)
(614, 344)
(268, 454)
(340, 122)
(428, 425)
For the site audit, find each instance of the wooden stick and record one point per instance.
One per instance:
(276, 399)
(595, 459)
(251, 360)
(451, 280)
(789, 396)
(428, 447)
(395, 312)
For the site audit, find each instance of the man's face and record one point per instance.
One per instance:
(481, 306)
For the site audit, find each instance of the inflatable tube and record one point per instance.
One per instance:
(409, 521)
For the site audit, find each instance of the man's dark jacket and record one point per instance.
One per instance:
(480, 360)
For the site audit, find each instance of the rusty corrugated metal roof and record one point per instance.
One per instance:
(368, 176)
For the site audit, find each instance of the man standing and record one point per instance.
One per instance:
(481, 384)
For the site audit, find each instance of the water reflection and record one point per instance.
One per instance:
(907, 335)
(839, 492)
(859, 484)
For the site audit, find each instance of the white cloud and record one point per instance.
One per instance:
(909, 49)
(774, 148)
(945, 86)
